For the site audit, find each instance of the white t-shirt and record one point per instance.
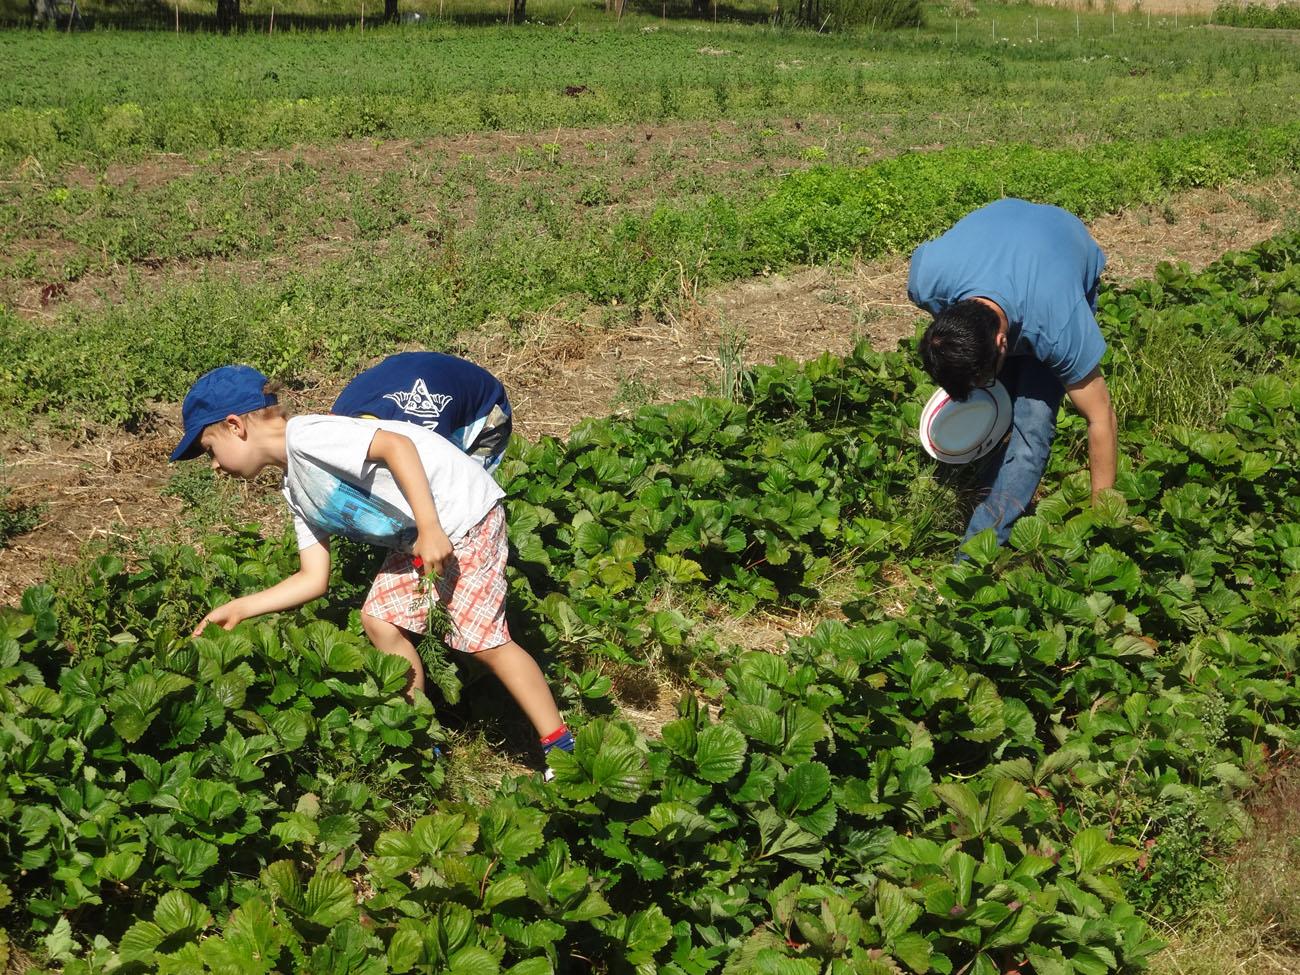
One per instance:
(332, 489)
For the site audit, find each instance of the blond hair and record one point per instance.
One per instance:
(279, 408)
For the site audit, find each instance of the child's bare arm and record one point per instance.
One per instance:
(399, 455)
(308, 583)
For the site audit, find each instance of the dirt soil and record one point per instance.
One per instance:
(105, 484)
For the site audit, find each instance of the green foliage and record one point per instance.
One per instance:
(1285, 16)
(896, 204)
(306, 87)
(149, 764)
(873, 14)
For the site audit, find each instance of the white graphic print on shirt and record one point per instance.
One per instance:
(420, 402)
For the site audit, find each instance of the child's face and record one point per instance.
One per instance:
(227, 445)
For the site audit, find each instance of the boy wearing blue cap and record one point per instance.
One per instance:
(384, 482)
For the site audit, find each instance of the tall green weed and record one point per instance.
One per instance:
(1284, 15)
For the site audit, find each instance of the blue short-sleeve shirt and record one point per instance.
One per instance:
(1037, 263)
(445, 394)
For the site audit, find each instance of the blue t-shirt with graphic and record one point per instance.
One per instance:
(1037, 263)
(442, 393)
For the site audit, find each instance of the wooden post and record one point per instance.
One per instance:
(715, 13)
(271, 29)
(440, 9)
(72, 12)
(1036, 37)
(178, 18)
(363, 18)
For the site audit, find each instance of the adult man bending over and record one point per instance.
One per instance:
(1013, 291)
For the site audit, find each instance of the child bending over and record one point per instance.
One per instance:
(385, 482)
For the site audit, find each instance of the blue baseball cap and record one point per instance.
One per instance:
(215, 396)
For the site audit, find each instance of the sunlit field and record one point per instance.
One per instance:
(807, 742)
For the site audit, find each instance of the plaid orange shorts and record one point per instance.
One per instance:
(473, 589)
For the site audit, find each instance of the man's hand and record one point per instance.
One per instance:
(1092, 399)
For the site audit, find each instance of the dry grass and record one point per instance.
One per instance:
(15, 961)
(476, 766)
(1255, 928)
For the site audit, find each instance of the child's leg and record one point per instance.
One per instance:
(518, 671)
(393, 639)
(474, 592)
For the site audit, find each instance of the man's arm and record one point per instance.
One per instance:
(310, 582)
(399, 455)
(1092, 399)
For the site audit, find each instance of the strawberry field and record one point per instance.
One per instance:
(1029, 762)
(995, 779)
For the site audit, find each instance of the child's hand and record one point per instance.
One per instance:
(432, 551)
(225, 616)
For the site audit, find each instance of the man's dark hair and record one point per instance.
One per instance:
(959, 349)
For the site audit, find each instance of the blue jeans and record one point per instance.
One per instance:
(1014, 469)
